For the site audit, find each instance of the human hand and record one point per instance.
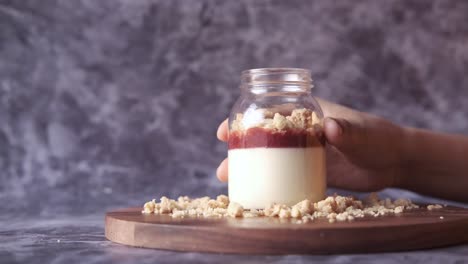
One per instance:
(363, 150)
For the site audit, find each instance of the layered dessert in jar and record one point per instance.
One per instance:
(278, 158)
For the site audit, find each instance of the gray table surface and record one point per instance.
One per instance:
(80, 239)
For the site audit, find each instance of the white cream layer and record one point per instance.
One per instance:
(260, 176)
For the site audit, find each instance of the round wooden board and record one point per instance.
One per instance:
(417, 229)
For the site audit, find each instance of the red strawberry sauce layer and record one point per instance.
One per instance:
(258, 137)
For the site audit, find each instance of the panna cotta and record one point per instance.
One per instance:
(276, 160)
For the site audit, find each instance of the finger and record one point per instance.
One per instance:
(222, 132)
(333, 131)
(334, 110)
(343, 134)
(222, 171)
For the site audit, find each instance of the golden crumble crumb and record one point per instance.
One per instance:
(273, 209)
(237, 123)
(342, 216)
(235, 210)
(148, 207)
(305, 207)
(280, 121)
(178, 214)
(166, 205)
(315, 119)
(399, 209)
(434, 207)
(223, 200)
(301, 118)
(295, 212)
(285, 213)
(332, 216)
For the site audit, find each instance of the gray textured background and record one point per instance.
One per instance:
(110, 103)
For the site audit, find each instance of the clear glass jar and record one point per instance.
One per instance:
(276, 144)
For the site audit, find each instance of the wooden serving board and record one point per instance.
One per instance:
(416, 229)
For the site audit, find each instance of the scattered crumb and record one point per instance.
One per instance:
(342, 216)
(434, 207)
(441, 217)
(285, 213)
(295, 213)
(399, 209)
(333, 208)
(235, 210)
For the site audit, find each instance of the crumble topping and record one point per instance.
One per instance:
(263, 118)
(333, 208)
(434, 207)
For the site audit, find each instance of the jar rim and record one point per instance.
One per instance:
(276, 70)
(277, 76)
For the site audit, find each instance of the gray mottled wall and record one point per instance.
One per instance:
(109, 103)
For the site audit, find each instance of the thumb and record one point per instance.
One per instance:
(344, 134)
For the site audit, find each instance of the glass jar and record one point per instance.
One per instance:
(276, 144)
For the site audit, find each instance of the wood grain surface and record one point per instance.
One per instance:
(417, 229)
